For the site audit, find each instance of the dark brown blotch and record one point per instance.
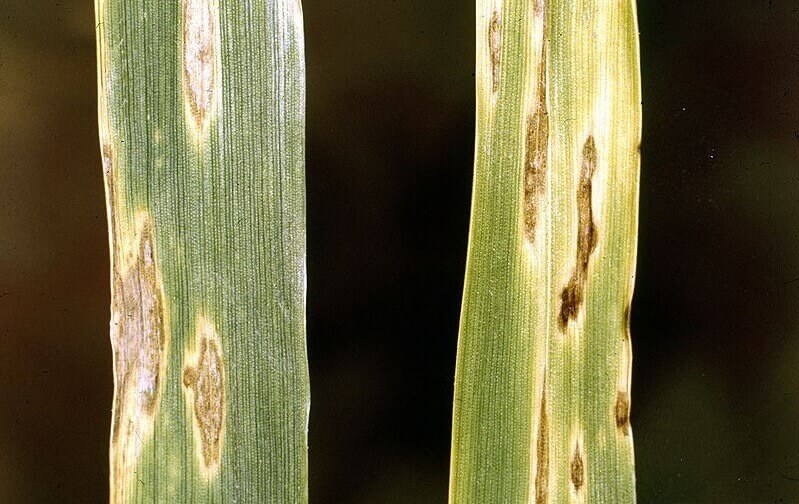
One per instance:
(577, 470)
(622, 411)
(573, 294)
(570, 300)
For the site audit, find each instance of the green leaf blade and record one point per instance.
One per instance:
(207, 152)
(542, 398)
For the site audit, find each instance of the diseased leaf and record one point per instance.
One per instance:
(542, 389)
(201, 116)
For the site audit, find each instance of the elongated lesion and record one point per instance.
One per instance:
(494, 48)
(542, 454)
(573, 294)
(204, 387)
(621, 408)
(536, 146)
(139, 338)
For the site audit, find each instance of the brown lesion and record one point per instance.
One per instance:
(542, 455)
(536, 151)
(577, 469)
(204, 385)
(573, 294)
(139, 342)
(494, 48)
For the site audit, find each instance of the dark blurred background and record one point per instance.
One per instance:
(389, 165)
